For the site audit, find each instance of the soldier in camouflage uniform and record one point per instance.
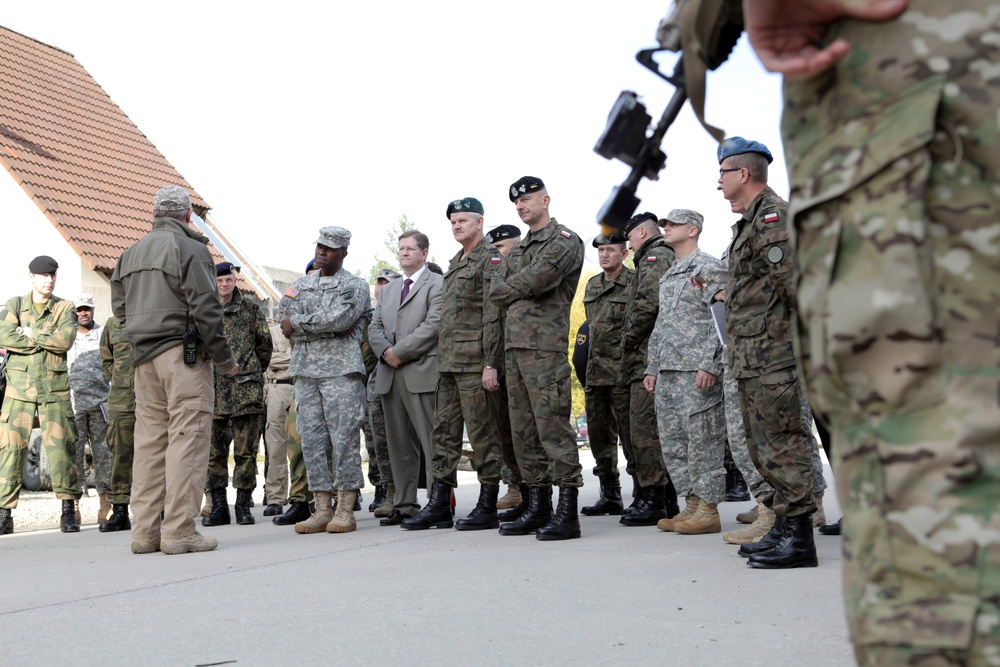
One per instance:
(325, 320)
(88, 390)
(684, 368)
(656, 497)
(469, 354)
(893, 166)
(378, 447)
(760, 303)
(37, 332)
(607, 403)
(239, 403)
(117, 358)
(536, 286)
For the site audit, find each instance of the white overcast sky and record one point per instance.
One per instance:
(306, 114)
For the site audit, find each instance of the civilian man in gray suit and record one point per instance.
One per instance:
(404, 335)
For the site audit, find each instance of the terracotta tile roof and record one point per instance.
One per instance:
(90, 170)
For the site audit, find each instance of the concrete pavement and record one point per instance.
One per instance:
(385, 596)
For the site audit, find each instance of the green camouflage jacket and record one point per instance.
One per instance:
(118, 358)
(470, 336)
(651, 261)
(36, 369)
(605, 306)
(248, 337)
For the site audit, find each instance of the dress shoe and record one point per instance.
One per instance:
(274, 509)
(830, 528)
(393, 519)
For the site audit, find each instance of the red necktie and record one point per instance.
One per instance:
(406, 290)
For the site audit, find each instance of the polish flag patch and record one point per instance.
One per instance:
(496, 260)
(566, 234)
(771, 217)
(651, 259)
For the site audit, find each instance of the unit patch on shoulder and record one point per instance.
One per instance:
(651, 258)
(775, 254)
(291, 292)
(566, 234)
(347, 295)
(771, 217)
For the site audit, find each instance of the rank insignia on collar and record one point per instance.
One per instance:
(291, 292)
(771, 217)
(565, 233)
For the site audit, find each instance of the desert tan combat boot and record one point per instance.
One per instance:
(388, 506)
(749, 516)
(690, 507)
(207, 507)
(343, 519)
(510, 499)
(756, 530)
(705, 520)
(819, 516)
(76, 511)
(105, 509)
(321, 517)
(192, 543)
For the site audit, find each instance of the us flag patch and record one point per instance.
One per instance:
(495, 260)
(566, 234)
(771, 217)
(292, 292)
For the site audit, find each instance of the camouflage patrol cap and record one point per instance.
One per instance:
(603, 239)
(171, 198)
(738, 145)
(85, 301)
(43, 264)
(525, 186)
(503, 232)
(334, 237)
(637, 220)
(470, 204)
(387, 275)
(686, 216)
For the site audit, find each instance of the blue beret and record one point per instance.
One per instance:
(738, 145)
(470, 204)
(311, 265)
(225, 268)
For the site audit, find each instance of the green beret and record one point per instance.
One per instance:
(469, 204)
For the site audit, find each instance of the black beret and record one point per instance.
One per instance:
(503, 232)
(617, 238)
(225, 268)
(470, 204)
(637, 220)
(525, 186)
(43, 264)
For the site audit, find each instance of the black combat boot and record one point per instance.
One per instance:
(650, 509)
(736, 486)
(538, 514)
(118, 519)
(638, 498)
(514, 513)
(766, 542)
(670, 500)
(565, 524)
(795, 547)
(244, 502)
(436, 513)
(357, 500)
(220, 509)
(610, 501)
(67, 521)
(6, 521)
(296, 512)
(484, 515)
(378, 499)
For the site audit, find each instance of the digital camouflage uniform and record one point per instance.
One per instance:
(37, 380)
(896, 210)
(239, 399)
(607, 403)
(117, 358)
(88, 390)
(691, 421)
(651, 261)
(327, 318)
(760, 304)
(536, 285)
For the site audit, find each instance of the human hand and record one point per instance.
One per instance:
(390, 358)
(704, 380)
(787, 35)
(490, 381)
(286, 324)
(234, 370)
(649, 382)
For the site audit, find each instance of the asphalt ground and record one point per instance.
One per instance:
(386, 596)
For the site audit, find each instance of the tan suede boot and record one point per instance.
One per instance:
(388, 506)
(819, 516)
(510, 499)
(756, 530)
(207, 507)
(105, 509)
(705, 520)
(343, 520)
(749, 516)
(188, 544)
(690, 507)
(76, 511)
(321, 517)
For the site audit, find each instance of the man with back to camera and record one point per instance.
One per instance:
(164, 289)
(117, 358)
(536, 286)
(37, 330)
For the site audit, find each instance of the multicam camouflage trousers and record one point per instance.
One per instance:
(244, 432)
(93, 428)
(121, 441)
(895, 156)
(330, 413)
(379, 470)
(538, 388)
(58, 434)
(692, 424)
(462, 401)
(607, 419)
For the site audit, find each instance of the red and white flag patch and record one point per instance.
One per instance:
(771, 217)
(496, 260)
(651, 259)
(566, 234)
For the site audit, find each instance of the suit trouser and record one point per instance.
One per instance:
(173, 431)
(279, 398)
(408, 422)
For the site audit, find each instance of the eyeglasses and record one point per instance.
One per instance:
(722, 171)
